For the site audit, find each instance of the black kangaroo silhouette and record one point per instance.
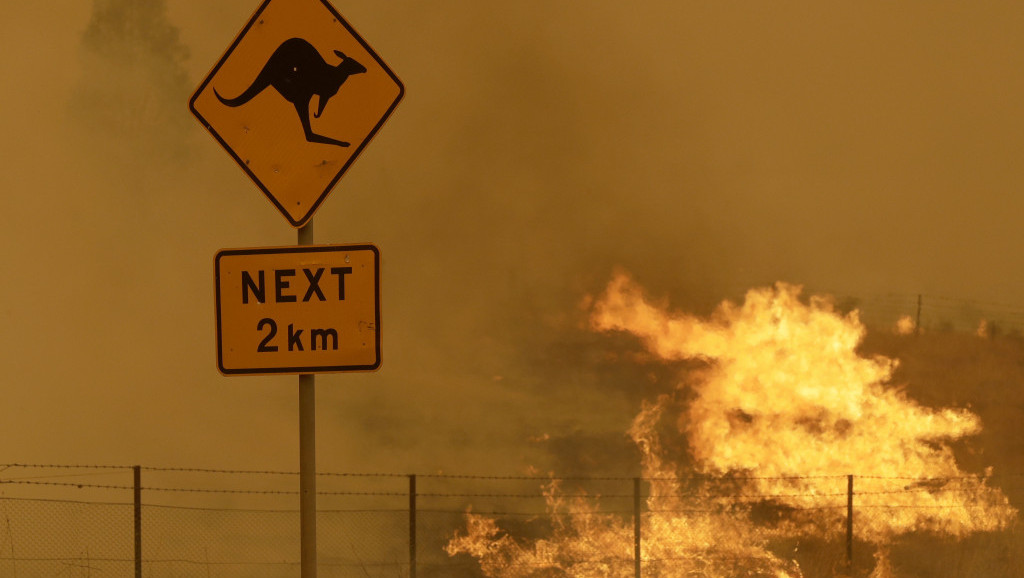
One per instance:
(297, 71)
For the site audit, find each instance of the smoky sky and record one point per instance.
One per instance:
(705, 147)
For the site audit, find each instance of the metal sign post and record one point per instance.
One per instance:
(307, 473)
(307, 454)
(294, 100)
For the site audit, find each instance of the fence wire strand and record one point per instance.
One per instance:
(245, 523)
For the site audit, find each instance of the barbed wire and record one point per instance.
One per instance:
(532, 514)
(73, 559)
(65, 485)
(56, 501)
(482, 477)
(65, 466)
(519, 496)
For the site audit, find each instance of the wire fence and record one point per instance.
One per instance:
(929, 312)
(81, 521)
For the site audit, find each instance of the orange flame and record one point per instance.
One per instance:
(905, 325)
(785, 407)
(786, 395)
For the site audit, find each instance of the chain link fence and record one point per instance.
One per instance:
(76, 521)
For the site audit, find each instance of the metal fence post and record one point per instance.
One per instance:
(412, 526)
(137, 475)
(849, 525)
(917, 324)
(636, 527)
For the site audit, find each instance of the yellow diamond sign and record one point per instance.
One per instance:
(295, 99)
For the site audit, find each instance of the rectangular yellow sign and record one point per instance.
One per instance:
(301, 309)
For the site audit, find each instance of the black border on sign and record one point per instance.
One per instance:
(297, 249)
(316, 204)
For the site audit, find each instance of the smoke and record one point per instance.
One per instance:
(132, 80)
(706, 148)
(538, 147)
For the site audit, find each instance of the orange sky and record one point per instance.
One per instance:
(861, 148)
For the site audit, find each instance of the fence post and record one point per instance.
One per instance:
(636, 527)
(849, 525)
(917, 324)
(137, 474)
(412, 526)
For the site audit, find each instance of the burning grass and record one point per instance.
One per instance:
(782, 408)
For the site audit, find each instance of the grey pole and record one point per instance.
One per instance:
(636, 527)
(307, 454)
(412, 526)
(917, 324)
(137, 484)
(849, 525)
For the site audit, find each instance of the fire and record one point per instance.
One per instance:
(905, 325)
(785, 408)
(584, 542)
(587, 543)
(983, 330)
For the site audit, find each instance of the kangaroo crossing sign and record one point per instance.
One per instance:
(303, 309)
(295, 99)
